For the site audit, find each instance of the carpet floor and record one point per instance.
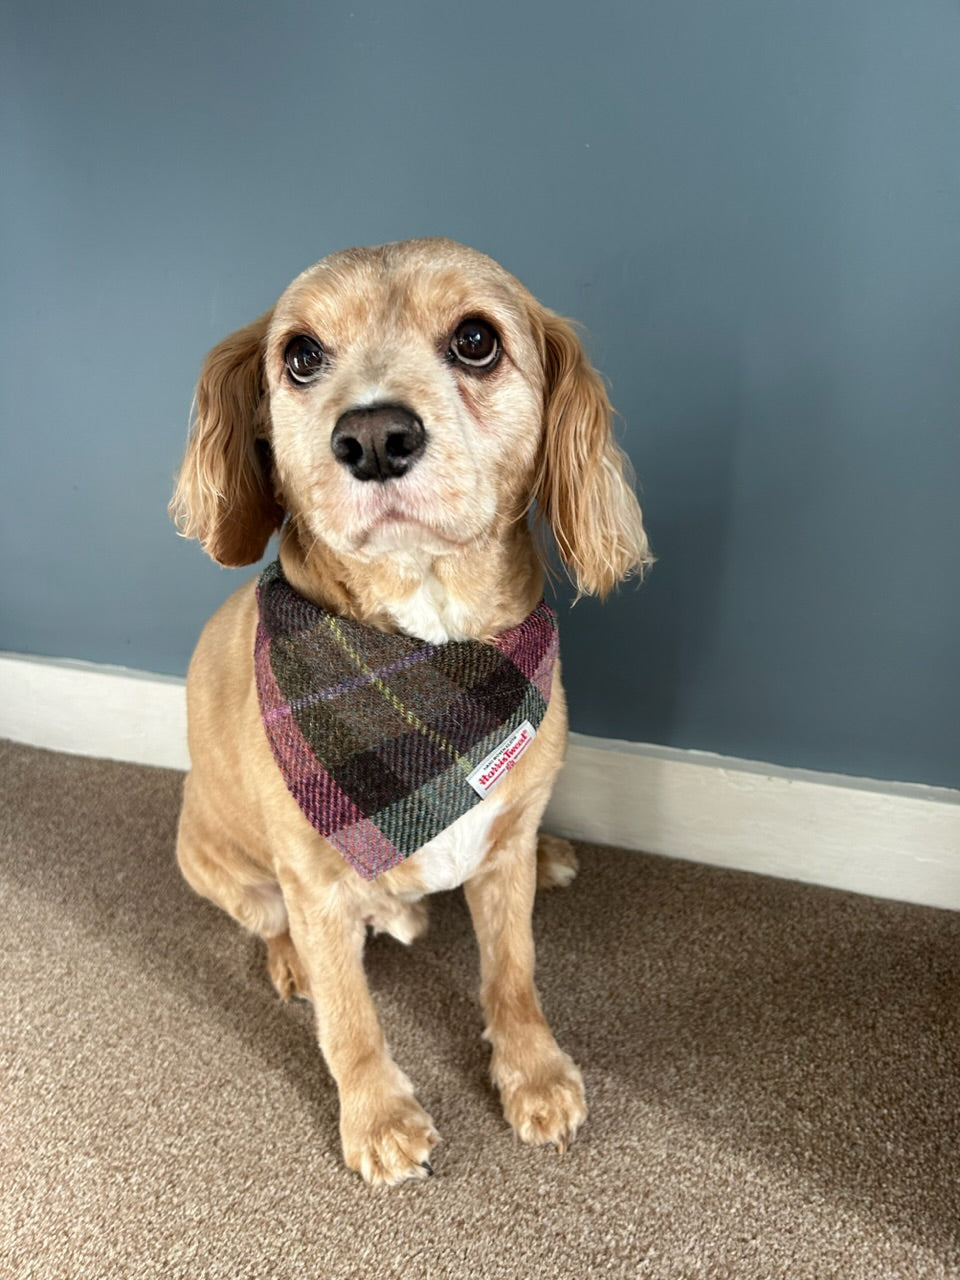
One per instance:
(773, 1074)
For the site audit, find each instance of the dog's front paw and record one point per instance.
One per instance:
(390, 1143)
(545, 1105)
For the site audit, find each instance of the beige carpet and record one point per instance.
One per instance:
(773, 1073)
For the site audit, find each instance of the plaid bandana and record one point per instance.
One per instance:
(385, 740)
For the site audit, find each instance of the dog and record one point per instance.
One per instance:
(412, 421)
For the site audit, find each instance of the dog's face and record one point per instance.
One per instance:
(406, 394)
(412, 398)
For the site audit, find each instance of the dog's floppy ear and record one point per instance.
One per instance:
(583, 491)
(224, 496)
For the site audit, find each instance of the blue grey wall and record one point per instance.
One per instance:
(753, 206)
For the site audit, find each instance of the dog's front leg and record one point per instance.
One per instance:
(540, 1086)
(386, 1134)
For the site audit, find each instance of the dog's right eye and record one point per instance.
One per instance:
(304, 358)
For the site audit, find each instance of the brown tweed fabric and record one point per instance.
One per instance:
(385, 740)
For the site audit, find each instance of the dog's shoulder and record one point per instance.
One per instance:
(229, 630)
(220, 677)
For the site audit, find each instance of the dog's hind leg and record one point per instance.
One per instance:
(556, 862)
(220, 871)
(286, 971)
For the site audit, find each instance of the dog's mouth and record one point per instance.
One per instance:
(415, 514)
(396, 528)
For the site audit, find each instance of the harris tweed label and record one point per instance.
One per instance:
(385, 740)
(500, 761)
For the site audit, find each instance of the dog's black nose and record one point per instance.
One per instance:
(378, 443)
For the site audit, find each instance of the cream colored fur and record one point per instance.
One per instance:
(442, 552)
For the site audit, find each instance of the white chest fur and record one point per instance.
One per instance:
(455, 854)
(431, 613)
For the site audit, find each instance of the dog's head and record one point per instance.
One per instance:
(413, 397)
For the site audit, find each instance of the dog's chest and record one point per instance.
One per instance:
(431, 613)
(453, 856)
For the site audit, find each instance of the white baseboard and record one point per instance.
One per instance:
(893, 840)
(92, 710)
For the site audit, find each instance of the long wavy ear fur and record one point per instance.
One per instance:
(583, 490)
(224, 495)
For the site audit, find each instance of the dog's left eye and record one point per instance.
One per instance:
(304, 358)
(475, 344)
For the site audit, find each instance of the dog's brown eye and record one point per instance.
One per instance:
(304, 358)
(475, 344)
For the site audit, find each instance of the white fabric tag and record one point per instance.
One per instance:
(495, 767)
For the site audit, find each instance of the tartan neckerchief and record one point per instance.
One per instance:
(385, 740)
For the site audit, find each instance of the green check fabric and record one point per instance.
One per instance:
(385, 740)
